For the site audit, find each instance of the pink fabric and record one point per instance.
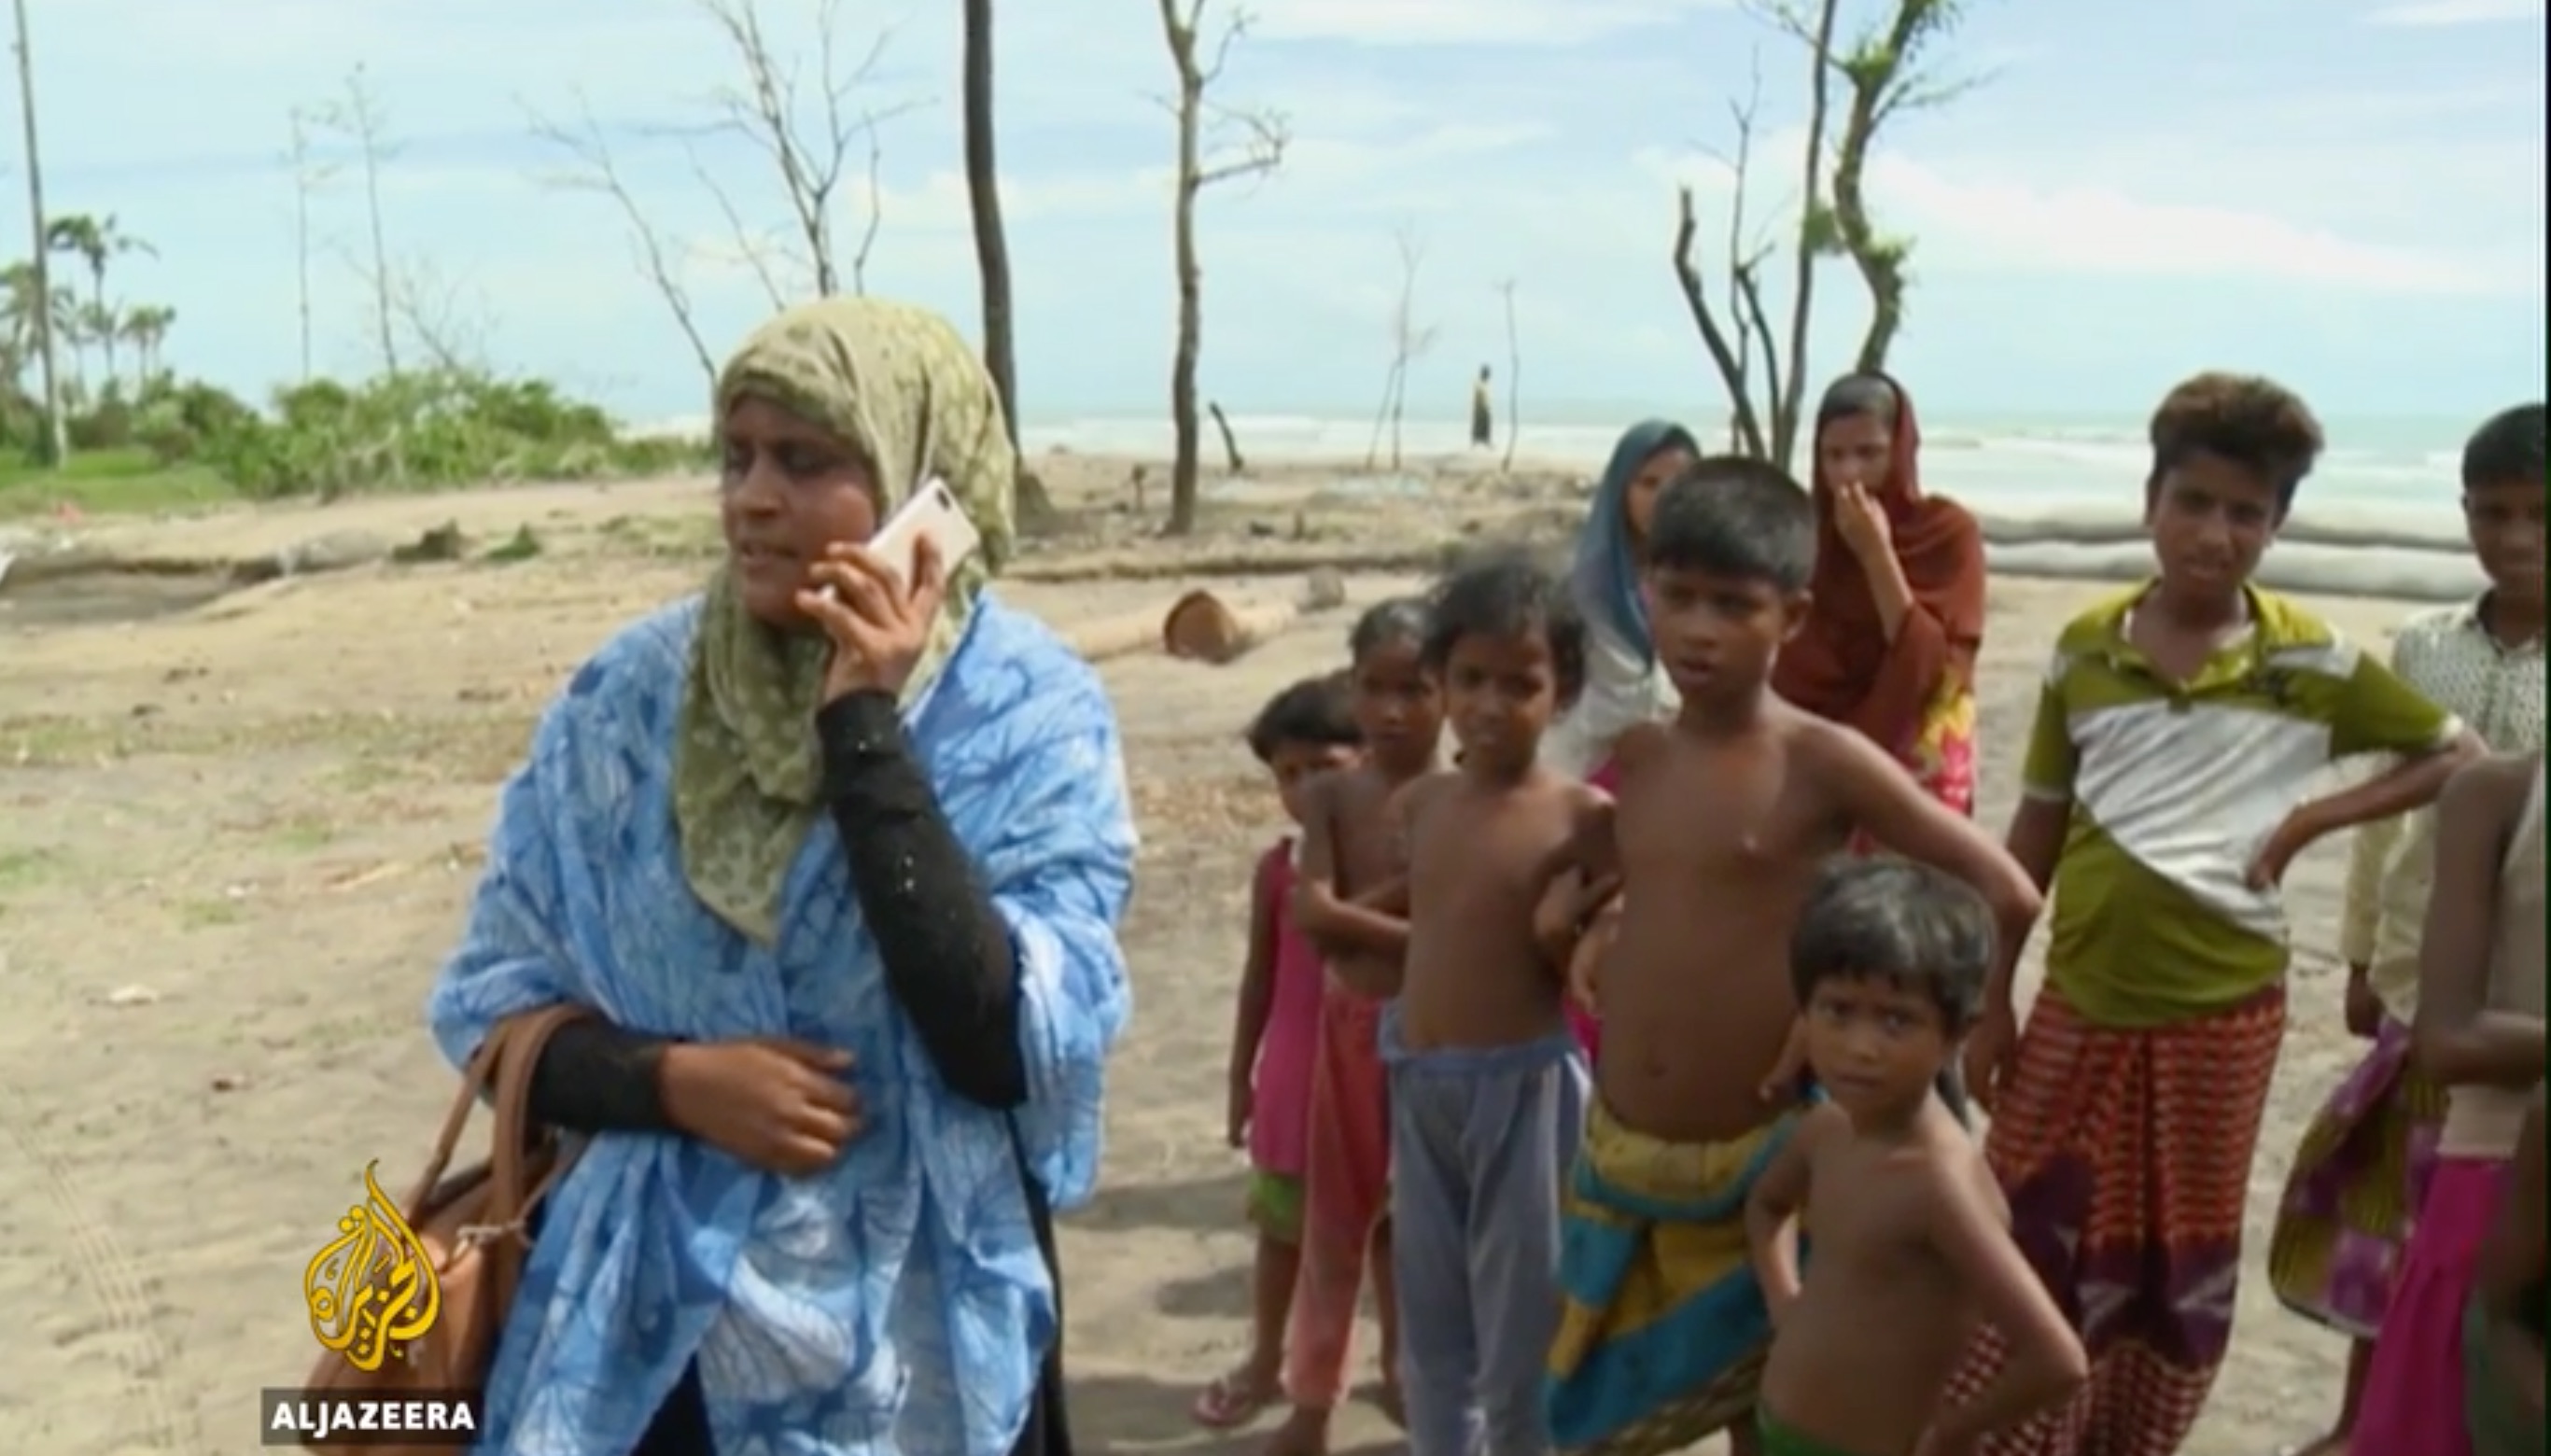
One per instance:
(2414, 1391)
(1344, 1196)
(1279, 1119)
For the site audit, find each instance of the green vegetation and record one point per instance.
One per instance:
(144, 439)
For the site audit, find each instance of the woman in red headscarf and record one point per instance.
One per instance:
(1898, 617)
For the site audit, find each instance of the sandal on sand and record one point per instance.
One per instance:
(1232, 1402)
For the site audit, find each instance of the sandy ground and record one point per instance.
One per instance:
(234, 841)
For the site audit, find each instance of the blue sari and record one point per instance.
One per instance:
(897, 1303)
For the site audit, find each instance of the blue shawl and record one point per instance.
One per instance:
(1607, 575)
(896, 1305)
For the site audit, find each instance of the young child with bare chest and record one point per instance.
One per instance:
(1487, 1084)
(1344, 899)
(1910, 1235)
(1725, 817)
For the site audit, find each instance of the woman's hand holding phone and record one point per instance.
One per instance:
(877, 621)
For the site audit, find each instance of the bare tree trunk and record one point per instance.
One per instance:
(57, 446)
(357, 119)
(1230, 445)
(1747, 424)
(306, 178)
(983, 193)
(1262, 152)
(1813, 226)
(1190, 335)
(1885, 78)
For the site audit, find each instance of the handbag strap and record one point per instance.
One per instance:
(510, 1195)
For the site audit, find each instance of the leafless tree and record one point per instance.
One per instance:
(448, 326)
(814, 157)
(1514, 373)
(594, 171)
(1884, 75)
(983, 202)
(811, 134)
(1256, 149)
(1409, 342)
(1749, 340)
(310, 176)
(359, 120)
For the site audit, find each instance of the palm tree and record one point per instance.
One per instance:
(95, 241)
(146, 328)
(19, 314)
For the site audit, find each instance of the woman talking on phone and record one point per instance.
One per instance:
(835, 853)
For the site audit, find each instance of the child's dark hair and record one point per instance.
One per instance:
(1386, 624)
(1316, 712)
(2257, 424)
(1908, 924)
(1508, 594)
(1738, 517)
(2508, 451)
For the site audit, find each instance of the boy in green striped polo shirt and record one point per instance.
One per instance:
(2181, 727)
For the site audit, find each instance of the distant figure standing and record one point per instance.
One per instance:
(1483, 423)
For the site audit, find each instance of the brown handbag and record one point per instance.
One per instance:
(474, 1227)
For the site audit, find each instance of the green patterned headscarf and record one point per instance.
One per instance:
(902, 384)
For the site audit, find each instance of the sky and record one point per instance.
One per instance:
(2346, 194)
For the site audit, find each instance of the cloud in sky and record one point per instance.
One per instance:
(2104, 212)
(2434, 13)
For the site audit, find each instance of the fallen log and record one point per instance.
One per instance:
(1202, 627)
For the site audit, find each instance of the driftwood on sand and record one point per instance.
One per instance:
(1202, 627)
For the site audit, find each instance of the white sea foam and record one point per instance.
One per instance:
(2380, 516)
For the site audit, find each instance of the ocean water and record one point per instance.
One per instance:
(2380, 516)
(2394, 478)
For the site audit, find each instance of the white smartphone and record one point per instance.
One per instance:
(932, 515)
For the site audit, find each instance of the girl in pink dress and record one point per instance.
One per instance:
(1305, 730)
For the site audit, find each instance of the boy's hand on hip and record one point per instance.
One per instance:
(1780, 1084)
(2364, 1007)
(772, 1102)
(1991, 1053)
(2292, 835)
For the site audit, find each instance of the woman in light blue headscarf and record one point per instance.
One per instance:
(1623, 684)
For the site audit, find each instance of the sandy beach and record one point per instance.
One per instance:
(236, 840)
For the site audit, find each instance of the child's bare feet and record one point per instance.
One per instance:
(1239, 1398)
(1305, 1432)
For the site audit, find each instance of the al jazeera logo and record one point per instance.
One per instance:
(373, 1296)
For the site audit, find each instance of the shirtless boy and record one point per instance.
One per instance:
(1488, 1086)
(1725, 817)
(1351, 869)
(1912, 1239)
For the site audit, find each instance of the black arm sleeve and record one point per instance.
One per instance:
(947, 952)
(594, 1077)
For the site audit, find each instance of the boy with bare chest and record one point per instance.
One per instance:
(1350, 879)
(1725, 818)
(1487, 1084)
(1912, 1237)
